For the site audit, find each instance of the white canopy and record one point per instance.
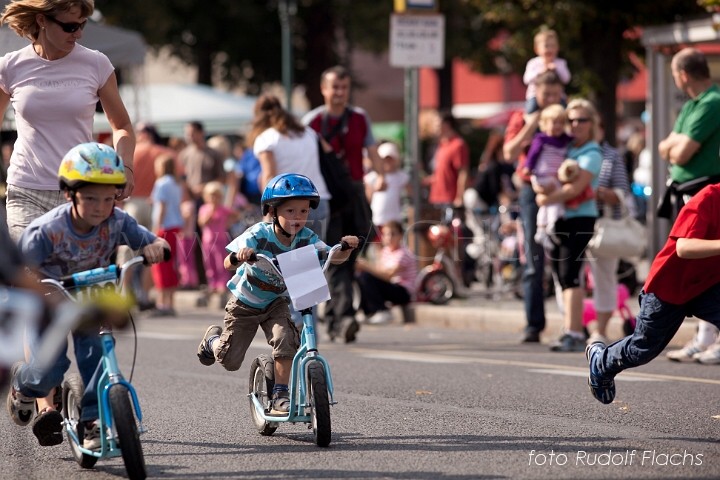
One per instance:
(170, 106)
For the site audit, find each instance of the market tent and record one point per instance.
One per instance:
(171, 106)
(124, 48)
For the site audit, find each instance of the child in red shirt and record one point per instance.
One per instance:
(684, 280)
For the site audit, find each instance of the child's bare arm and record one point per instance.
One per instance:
(695, 248)
(342, 255)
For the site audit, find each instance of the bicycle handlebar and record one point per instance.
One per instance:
(254, 257)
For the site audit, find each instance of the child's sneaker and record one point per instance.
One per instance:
(47, 427)
(204, 352)
(20, 407)
(280, 403)
(91, 437)
(601, 388)
(685, 354)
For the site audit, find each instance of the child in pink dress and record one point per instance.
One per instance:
(215, 219)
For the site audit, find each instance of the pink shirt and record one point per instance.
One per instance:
(54, 103)
(536, 66)
(215, 230)
(407, 271)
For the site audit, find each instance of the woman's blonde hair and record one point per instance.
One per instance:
(20, 15)
(581, 103)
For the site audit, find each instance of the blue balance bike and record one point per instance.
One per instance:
(310, 386)
(120, 417)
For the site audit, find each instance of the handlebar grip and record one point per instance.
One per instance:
(253, 257)
(346, 246)
(167, 254)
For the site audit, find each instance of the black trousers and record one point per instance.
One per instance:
(352, 218)
(375, 292)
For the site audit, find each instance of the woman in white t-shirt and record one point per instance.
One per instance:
(284, 145)
(53, 85)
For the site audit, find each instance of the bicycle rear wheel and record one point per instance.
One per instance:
(73, 389)
(127, 433)
(319, 402)
(262, 381)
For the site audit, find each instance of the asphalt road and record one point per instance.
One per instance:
(413, 403)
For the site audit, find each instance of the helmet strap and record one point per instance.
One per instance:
(276, 223)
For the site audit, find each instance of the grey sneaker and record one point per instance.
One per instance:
(20, 407)
(204, 352)
(568, 343)
(91, 436)
(280, 403)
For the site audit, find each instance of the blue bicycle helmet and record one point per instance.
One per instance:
(288, 186)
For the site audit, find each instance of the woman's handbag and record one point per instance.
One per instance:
(621, 238)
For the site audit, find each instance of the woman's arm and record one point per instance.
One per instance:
(268, 168)
(123, 133)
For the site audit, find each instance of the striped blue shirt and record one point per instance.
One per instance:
(254, 286)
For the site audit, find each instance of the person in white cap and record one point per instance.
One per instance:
(386, 205)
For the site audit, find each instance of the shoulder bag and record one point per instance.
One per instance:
(618, 238)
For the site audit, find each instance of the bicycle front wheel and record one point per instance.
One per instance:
(319, 402)
(127, 433)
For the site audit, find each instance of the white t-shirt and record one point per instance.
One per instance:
(294, 154)
(386, 204)
(54, 102)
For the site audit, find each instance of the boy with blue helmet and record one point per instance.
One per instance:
(77, 236)
(259, 300)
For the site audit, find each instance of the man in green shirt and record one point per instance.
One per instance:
(693, 147)
(693, 150)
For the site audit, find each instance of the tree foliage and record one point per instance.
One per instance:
(595, 37)
(241, 39)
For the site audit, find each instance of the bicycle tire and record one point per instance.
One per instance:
(437, 288)
(319, 402)
(262, 381)
(127, 433)
(73, 389)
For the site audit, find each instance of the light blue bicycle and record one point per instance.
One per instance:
(120, 416)
(311, 386)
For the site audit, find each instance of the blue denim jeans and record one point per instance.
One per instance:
(33, 382)
(533, 295)
(657, 323)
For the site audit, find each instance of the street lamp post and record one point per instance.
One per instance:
(287, 10)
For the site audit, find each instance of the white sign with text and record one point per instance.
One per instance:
(417, 40)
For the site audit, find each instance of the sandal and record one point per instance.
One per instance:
(47, 427)
(20, 407)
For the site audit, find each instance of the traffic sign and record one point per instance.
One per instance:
(417, 40)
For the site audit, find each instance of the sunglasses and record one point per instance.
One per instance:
(578, 120)
(69, 27)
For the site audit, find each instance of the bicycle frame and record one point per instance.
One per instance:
(108, 371)
(306, 353)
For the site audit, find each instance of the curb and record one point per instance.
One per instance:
(462, 314)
